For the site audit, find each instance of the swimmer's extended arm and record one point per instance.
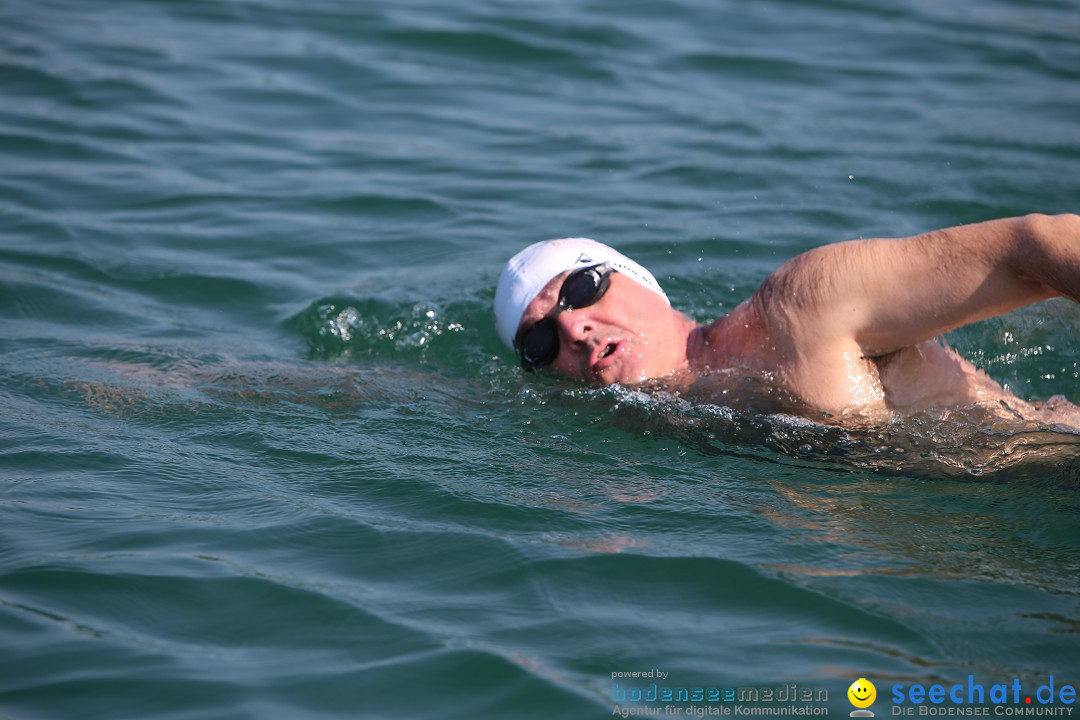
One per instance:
(885, 294)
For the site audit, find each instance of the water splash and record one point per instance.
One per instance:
(345, 328)
(953, 444)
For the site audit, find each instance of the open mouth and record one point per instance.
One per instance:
(607, 350)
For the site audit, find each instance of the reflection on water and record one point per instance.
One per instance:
(941, 530)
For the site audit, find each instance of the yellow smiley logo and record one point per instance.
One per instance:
(862, 693)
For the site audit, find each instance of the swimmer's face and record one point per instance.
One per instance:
(627, 336)
(862, 693)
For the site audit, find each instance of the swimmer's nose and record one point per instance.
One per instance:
(575, 327)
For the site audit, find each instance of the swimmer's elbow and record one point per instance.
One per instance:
(1040, 228)
(1049, 253)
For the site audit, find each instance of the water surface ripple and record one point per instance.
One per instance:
(262, 454)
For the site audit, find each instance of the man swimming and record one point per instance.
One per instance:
(849, 329)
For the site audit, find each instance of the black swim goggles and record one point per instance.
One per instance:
(538, 344)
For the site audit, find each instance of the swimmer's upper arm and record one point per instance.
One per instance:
(887, 294)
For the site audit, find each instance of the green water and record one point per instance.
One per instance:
(262, 454)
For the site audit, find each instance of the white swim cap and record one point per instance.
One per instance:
(526, 274)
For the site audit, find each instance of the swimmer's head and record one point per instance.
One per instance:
(528, 272)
